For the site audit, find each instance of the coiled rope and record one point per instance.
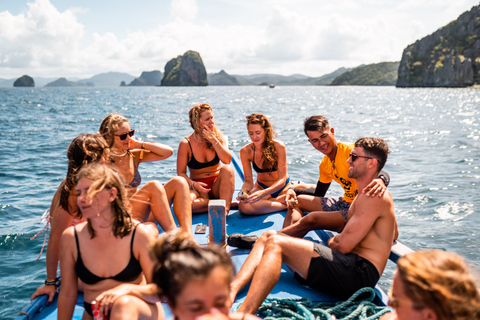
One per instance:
(302, 308)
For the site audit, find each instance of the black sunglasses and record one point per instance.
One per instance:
(354, 157)
(123, 136)
(258, 116)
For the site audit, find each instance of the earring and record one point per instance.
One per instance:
(98, 214)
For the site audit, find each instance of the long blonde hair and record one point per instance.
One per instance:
(194, 116)
(104, 177)
(269, 153)
(440, 281)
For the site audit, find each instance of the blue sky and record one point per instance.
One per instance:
(67, 38)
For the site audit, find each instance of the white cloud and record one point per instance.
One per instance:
(305, 36)
(43, 37)
(184, 10)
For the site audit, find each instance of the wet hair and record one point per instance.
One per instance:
(83, 149)
(194, 116)
(109, 125)
(442, 282)
(315, 123)
(104, 177)
(179, 260)
(375, 148)
(269, 153)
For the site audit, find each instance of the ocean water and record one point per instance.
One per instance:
(433, 134)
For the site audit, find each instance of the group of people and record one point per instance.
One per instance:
(108, 249)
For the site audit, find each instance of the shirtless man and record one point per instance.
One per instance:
(353, 259)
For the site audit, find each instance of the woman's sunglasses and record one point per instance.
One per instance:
(258, 116)
(123, 136)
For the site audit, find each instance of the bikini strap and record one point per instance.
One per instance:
(133, 236)
(76, 238)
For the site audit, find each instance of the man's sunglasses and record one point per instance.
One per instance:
(123, 136)
(355, 157)
(258, 116)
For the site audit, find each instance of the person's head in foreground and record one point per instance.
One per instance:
(434, 284)
(195, 280)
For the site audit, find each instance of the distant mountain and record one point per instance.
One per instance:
(63, 82)
(108, 79)
(328, 78)
(222, 79)
(292, 80)
(377, 74)
(148, 78)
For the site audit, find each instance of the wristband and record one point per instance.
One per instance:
(53, 282)
(191, 185)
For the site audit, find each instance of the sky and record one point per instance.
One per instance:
(72, 38)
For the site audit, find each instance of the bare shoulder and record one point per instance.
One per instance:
(146, 232)
(279, 144)
(247, 149)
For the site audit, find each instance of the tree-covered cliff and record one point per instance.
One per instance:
(186, 70)
(450, 57)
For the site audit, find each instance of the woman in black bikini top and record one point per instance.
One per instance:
(268, 158)
(201, 152)
(106, 250)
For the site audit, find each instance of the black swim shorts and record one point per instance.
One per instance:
(338, 274)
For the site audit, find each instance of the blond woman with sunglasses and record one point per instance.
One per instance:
(126, 154)
(268, 158)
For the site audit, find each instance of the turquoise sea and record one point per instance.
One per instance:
(434, 136)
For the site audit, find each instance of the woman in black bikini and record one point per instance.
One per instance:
(268, 158)
(202, 152)
(106, 251)
(126, 154)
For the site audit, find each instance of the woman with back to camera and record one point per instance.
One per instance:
(84, 149)
(106, 251)
(194, 280)
(434, 285)
(268, 157)
(202, 151)
(126, 154)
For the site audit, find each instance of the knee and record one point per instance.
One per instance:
(265, 236)
(179, 182)
(273, 243)
(154, 187)
(123, 308)
(307, 220)
(227, 171)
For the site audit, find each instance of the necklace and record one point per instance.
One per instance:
(118, 155)
(195, 137)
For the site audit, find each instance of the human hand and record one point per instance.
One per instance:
(207, 133)
(201, 187)
(106, 299)
(376, 187)
(44, 289)
(256, 196)
(291, 198)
